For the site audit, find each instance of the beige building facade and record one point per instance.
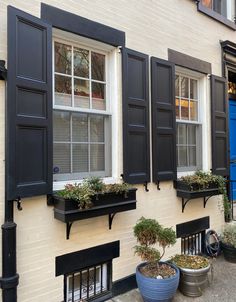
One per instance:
(152, 28)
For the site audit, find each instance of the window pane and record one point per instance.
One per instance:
(97, 157)
(193, 111)
(61, 158)
(207, 3)
(220, 6)
(182, 156)
(184, 87)
(79, 127)
(98, 66)
(177, 102)
(81, 62)
(192, 156)
(97, 128)
(81, 93)
(184, 109)
(182, 132)
(80, 157)
(62, 90)
(193, 89)
(62, 58)
(192, 134)
(177, 85)
(61, 126)
(98, 97)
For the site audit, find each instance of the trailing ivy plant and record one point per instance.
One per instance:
(83, 192)
(202, 180)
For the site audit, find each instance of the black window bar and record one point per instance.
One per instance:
(193, 244)
(88, 284)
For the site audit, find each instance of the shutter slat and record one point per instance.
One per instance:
(163, 120)
(136, 157)
(219, 124)
(29, 106)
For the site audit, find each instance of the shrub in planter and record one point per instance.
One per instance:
(193, 274)
(157, 281)
(228, 243)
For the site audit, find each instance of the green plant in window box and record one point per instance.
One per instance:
(201, 180)
(94, 186)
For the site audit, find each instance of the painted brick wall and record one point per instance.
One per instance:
(151, 27)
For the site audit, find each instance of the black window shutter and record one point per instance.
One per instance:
(219, 126)
(29, 106)
(136, 157)
(163, 120)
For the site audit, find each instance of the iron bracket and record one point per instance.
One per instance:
(205, 200)
(184, 202)
(146, 186)
(68, 228)
(18, 204)
(110, 219)
(158, 185)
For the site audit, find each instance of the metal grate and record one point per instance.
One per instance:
(193, 244)
(88, 284)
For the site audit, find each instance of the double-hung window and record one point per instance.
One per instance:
(81, 118)
(188, 123)
(225, 8)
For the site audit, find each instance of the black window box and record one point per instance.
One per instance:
(187, 192)
(103, 204)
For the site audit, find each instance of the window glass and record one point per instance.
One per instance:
(188, 126)
(225, 8)
(81, 124)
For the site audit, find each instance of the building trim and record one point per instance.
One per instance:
(81, 26)
(124, 285)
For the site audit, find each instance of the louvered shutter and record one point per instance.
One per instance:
(29, 106)
(136, 157)
(219, 126)
(163, 120)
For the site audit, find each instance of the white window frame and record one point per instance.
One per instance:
(112, 94)
(203, 118)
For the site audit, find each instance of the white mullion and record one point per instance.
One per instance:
(90, 80)
(187, 145)
(71, 145)
(62, 74)
(89, 168)
(72, 74)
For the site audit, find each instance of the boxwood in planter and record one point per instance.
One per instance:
(228, 243)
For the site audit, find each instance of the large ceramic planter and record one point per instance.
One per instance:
(157, 290)
(229, 252)
(193, 281)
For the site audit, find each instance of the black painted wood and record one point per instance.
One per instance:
(163, 120)
(219, 125)
(192, 227)
(189, 62)
(124, 285)
(76, 261)
(29, 106)
(136, 146)
(81, 26)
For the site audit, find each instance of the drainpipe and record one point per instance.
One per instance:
(10, 278)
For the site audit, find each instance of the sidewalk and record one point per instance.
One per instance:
(222, 288)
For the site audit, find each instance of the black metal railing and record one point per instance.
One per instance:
(88, 284)
(193, 244)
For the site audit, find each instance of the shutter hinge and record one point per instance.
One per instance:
(146, 186)
(18, 204)
(158, 185)
(3, 70)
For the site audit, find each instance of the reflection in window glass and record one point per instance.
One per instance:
(98, 66)
(62, 58)
(81, 62)
(81, 93)
(98, 96)
(63, 90)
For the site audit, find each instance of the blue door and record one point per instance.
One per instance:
(232, 140)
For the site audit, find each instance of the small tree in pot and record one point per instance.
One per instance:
(228, 243)
(157, 281)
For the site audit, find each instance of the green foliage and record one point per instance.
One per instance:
(202, 180)
(83, 193)
(190, 261)
(149, 232)
(229, 235)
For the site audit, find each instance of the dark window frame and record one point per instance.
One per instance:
(214, 15)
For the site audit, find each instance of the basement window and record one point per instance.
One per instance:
(90, 284)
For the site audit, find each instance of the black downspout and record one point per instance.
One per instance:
(10, 278)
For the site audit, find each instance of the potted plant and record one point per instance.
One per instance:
(157, 280)
(193, 274)
(228, 243)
